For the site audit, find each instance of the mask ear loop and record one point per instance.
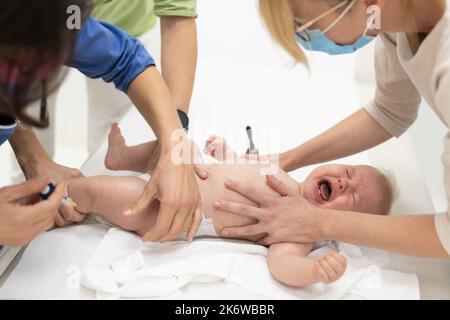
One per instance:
(342, 15)
(303, 26)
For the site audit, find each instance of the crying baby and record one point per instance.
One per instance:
(339, 187)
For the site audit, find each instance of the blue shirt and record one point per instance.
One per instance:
(108, 52)
(105, 51)
(6, 132)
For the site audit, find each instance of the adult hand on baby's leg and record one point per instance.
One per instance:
(194, 223)
(156, 154)
(154, 157)
(174, 185)
(68, 215)
(329, 268)
(59, 174)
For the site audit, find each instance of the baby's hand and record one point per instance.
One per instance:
(218, 148)
(329, 268)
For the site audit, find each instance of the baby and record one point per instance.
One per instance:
(350, 188)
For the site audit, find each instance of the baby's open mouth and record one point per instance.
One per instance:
(325, 190)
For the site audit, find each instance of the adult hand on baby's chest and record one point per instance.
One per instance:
(287, 218)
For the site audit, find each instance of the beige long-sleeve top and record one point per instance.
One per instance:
(403, 78)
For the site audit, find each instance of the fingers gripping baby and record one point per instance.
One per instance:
(339, 187)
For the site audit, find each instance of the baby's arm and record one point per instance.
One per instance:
(109, 197)
(218, 148)
(288, 263)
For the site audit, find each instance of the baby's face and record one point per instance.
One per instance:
(349, 188)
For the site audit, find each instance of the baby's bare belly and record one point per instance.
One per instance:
(214, 189)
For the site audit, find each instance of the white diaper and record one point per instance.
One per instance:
(206, 229)
(101, 220)
(145, 177)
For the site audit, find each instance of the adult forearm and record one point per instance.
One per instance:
(152, 98)
(179, 57)
(357, 133)
(410, 235)
(28, 150)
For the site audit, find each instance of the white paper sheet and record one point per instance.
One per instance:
(124, 267)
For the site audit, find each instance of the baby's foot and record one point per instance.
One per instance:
(218, 148)
(330, 267)
(116, 148)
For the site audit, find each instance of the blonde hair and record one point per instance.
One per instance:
(279, 20)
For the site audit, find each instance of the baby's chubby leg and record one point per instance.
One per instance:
(122, 157)
(109, 197)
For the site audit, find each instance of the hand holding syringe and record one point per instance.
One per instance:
(48, 191)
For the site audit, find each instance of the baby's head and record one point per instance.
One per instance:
(350, 188)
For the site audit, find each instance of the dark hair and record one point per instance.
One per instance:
(34, 35)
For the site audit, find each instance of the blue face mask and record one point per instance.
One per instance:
(319, 42)
(6, 132)
(316, 40)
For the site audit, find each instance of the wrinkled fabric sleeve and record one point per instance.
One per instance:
(181, 8)
(107, 52)
(442, 94)
(396, 103)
